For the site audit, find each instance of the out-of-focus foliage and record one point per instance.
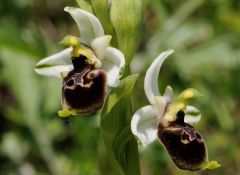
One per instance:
(35, 141)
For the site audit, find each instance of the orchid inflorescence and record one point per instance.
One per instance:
(89, 65)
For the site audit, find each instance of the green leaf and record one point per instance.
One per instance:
(101, 10)
(124, 88)
(85, 6)
(126, 17)
(120, 143)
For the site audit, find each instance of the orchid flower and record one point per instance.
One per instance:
(172, 121)
(88, 66)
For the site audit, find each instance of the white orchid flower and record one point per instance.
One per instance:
(172, 121)
(87, 66)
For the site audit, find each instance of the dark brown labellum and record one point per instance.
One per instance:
(185, 145)
(84, 88)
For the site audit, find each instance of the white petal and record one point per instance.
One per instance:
(113, 63)
(55, 64)
(160, 106)
(192, 115)
(168, 94)
(53, 71)
(151, 78)
(144, 124)
(89, 26)
(60, 58)
(100, 44)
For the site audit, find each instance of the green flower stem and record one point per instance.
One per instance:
(115, 126)
(126, 140)
(126, 18)
(132, 162)
(125, 144)
(124, 137)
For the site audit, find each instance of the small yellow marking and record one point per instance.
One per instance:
(64, 74)
(86, 52)
(73, 41)
(185, 141)
(66, 113)
(188, 94)
(88, 85)
(211, 165)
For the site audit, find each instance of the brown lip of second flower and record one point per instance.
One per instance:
(185, 146)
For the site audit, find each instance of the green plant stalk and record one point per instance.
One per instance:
(131, 157)
(115, 126)
(128, 146)
(126, 18)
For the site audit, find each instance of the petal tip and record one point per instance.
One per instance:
(109, 37)
(89, 25)
(68, 9)
(170, 51)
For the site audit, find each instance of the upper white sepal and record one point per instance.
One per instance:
(151, 78)
(89, 26)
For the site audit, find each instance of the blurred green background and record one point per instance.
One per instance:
(35, 141)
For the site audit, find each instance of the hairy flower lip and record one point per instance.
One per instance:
(85, 96)
(190, 155)
(185, 146)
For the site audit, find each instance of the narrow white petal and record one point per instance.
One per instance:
(54, 71)
(151, 78)
(55, 64)
(61, 58)
(160, 106)
(113, 63)
(168, 94)
(144, 124)
(100, 44)
(192, 115)
(89, 26)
